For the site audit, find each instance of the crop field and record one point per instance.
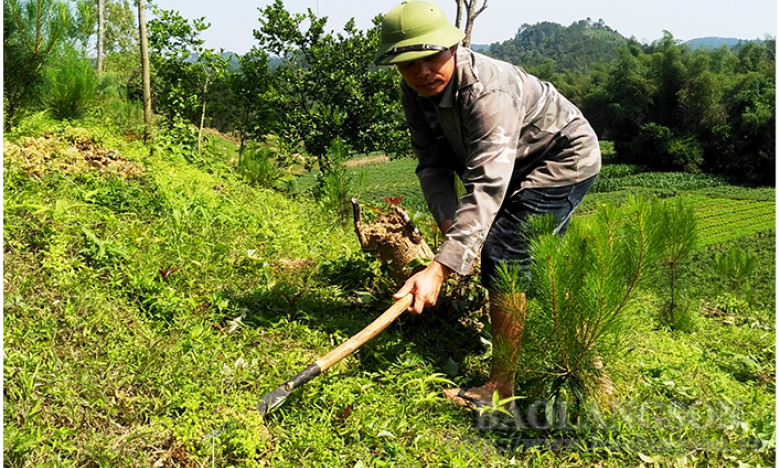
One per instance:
(724, 213)
(150, 300)
(722, 219)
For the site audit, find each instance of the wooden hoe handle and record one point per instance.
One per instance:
(277, 397)
(366, 334)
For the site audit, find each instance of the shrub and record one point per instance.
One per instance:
(257, 165)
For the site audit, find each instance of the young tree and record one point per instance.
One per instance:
(179, 62)
(250, 86)
(327, 87)
(32, 32)
(212, 66)
(580, 288)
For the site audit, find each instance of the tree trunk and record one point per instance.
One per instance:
(396, 240)
(145, 69)
(203, 113)
(101, 28)
(459, 13)
(471, 14)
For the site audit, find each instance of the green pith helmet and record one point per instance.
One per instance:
(413, 30)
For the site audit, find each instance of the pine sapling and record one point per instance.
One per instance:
(579, 287)
(679, 237)
(737, 266)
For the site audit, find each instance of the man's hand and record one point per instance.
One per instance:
(424, 286)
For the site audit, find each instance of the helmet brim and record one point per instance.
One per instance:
(443, 38)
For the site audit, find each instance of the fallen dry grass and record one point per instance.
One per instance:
(70, 155)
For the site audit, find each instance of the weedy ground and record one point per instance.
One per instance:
(146, 311)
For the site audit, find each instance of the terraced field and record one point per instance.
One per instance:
(724, 213)
(723, 219)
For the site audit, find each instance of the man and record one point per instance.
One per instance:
(518, 146)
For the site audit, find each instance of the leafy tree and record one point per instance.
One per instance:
(629, 95)
(326, 87)
(668, 71)
(183, 70)
(250, 87)
(749, 134)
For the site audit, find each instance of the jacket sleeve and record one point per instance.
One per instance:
(493, 125)
(435, 168)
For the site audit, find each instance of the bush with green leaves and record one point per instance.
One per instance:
(327, 86)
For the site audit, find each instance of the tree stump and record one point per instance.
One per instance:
(394, 238)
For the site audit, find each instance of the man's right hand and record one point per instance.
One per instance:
(424, 286)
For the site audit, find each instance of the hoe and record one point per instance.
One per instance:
(277, 397)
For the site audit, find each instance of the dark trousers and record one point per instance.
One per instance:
(507, 240)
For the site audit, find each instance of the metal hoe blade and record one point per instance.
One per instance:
(273, 399)
(277, 397)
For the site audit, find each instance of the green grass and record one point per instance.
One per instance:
(107, 363)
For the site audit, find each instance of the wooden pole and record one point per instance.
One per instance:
(145, 70)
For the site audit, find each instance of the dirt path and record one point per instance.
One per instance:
(380, 159)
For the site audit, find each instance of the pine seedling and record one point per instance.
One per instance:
(679, 237)
(581, 286)
(336, 182)
(737, 266)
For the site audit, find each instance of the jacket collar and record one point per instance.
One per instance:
(462, 77)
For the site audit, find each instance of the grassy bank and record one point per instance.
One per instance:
(151, 297)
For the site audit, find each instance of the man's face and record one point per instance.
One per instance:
(429, 75)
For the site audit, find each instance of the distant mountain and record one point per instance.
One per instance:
(233, 63)
(713, 42)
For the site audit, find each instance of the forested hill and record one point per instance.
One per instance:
(572, 48)
(576, 47)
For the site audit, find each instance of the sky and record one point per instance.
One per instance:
(232, 21)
